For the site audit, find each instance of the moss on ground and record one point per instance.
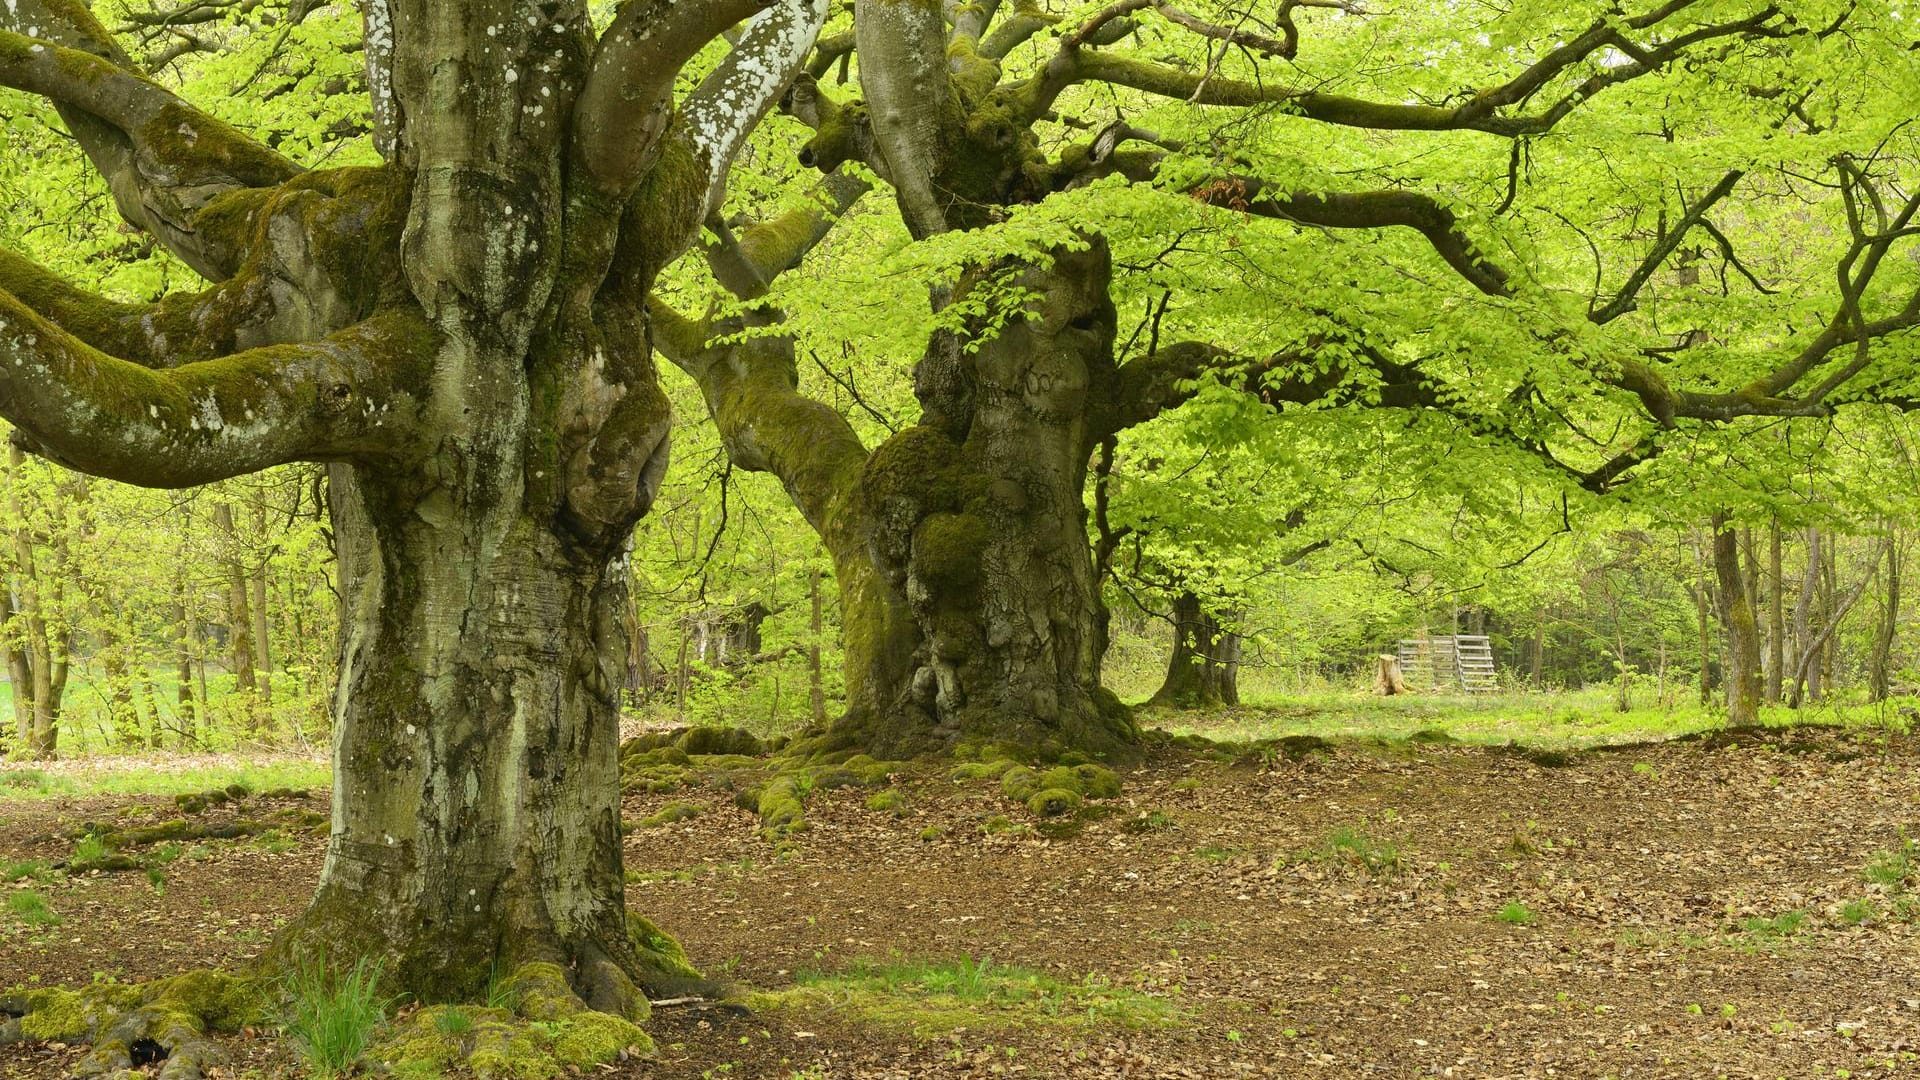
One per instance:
(933, 998)
(503, 1044)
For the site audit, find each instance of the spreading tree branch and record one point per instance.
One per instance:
(350, 395)
(732, 101)
(627, 101)
(163, 159)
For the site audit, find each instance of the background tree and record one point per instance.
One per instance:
(1424, 247)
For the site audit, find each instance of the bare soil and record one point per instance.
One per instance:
(1647, 872)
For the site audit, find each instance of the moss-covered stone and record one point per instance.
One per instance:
(782, 806)
(1054, 802)
(670, 814)
(888, 802)
(596, 1038)
(1020, 783)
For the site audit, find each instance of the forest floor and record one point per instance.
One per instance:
(1722, 906)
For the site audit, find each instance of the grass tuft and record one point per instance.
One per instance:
(1353, 847)
(31, 908)
(331, 1016)
(1515, 913)
(1893, 868)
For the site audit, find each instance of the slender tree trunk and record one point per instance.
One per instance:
(1879, 675)
(1776, 616)
(1227, 651)
(1803, 619)
(19, 668)
(1702, 592)
(239, 618)
(1743, 631)
(42, 736)
(262, 622)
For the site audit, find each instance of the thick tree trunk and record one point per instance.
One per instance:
(1743, 630)
(982, 527)
(1202, 671)
(476, 727)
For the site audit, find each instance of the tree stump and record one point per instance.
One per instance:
(1388, 680)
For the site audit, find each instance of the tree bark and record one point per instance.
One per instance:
(483, 657)
(239, 618)
(1202, 671)
(1879, 667)
(981, 524)
(1776, 616)
(461, 337)
(1743, 632)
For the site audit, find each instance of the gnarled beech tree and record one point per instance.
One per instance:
(971, 605)
(461, 335)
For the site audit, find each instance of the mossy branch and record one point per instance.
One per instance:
(127, 124)
(350, 395)
(625, 106)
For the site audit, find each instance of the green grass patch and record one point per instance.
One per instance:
(1892, 869)
(933, 998)
(32, 909)
(1353, 847)
(1557, 720)
(24, 870)
(331, 1017)
(140, 778)
(1515, 913)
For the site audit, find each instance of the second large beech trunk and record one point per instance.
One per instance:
(980, 523)
(967, 585)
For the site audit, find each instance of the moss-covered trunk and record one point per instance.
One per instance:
(1204, 668)
(476, 814)
(980, 524)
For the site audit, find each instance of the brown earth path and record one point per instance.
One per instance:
(1647, 871)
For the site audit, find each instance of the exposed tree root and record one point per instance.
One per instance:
(775, 787)
(542, 1018)
(117, 841)
(165, 1021)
